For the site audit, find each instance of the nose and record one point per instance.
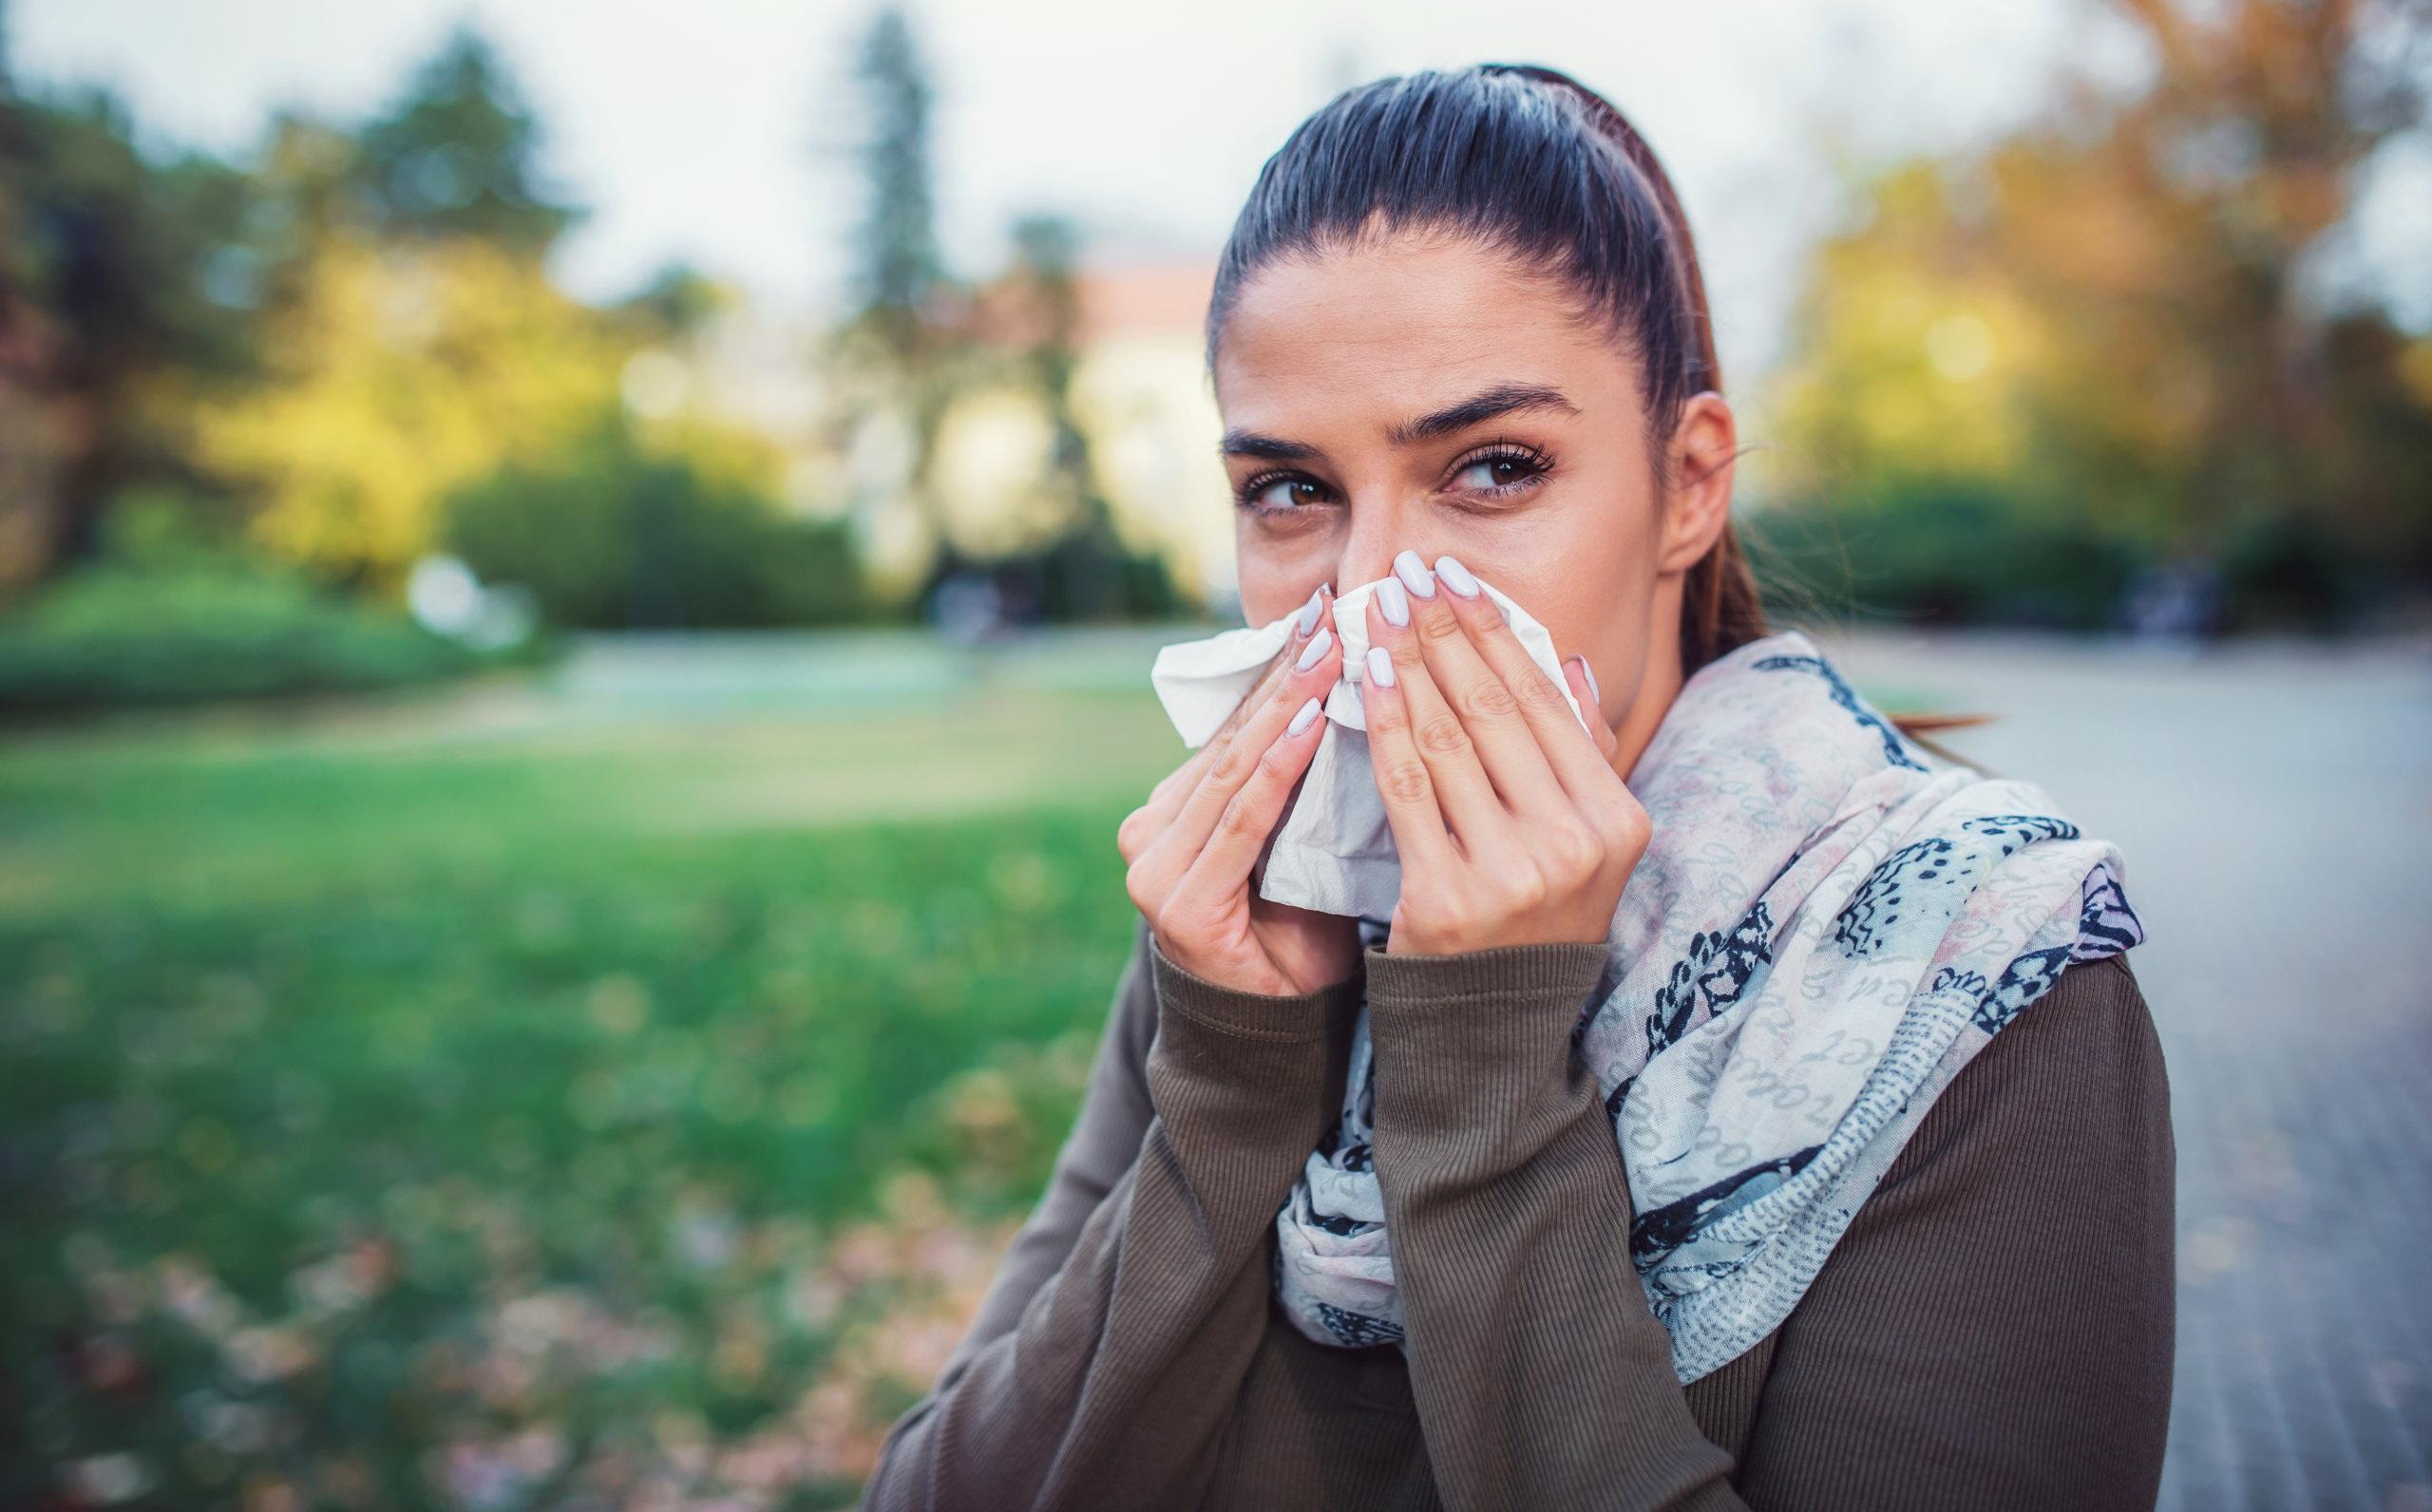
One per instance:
(1368, 549)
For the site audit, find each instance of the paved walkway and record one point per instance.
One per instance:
(2273, 805)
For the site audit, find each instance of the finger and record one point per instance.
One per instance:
(1176, 785)
(1496, 710)
(1579, 756)
(1311, 675)
(1582, 687)
(1463, 793)
(1222, 869)
(1307, 621)
(1147, 837)
(1414, 805)
(1278, 668)
(1166, 798)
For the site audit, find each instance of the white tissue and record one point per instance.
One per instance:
(1333, 850)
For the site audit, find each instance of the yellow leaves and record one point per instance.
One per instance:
(2027, 317)
(1959, 346)
(724, 455)
(401, 373)
(1907, 367)
(2415, 369)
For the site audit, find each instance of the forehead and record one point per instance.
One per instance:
(1378, 333)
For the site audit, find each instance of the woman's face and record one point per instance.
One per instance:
(1420, 396)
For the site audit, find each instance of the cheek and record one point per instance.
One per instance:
(1575, 571)
(1271, 589)
(1279, 571)
(1591, 589)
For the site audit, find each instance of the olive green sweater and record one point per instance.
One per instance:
(1993, 1330)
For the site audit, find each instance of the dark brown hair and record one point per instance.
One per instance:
(1542, 170)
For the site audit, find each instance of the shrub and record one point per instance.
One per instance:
(1942, 553)
(607, 536)
(117, 635)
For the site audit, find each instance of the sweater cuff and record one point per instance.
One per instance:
(1304, 1018)
(1477, 1042)
(1509, 976)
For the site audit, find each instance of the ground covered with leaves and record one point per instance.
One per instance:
(449, 1105)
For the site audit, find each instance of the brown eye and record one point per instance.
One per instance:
(1274, 495)
(1501, 473)
(1495, 472)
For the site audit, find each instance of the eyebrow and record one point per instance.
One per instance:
(1503, 399)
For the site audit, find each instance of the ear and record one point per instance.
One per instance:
(1704, 446)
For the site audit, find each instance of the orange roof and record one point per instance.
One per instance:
(1159, 298)
(1146, 299)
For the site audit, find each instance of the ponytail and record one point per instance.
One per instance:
(1721, 605)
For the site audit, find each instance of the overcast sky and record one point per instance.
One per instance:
(706, 130)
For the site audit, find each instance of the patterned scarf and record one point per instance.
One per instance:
(1828, 923)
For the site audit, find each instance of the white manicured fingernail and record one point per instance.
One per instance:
(1396, 603)
(1300, 720)
(1310, 610)
(1456, 576)
(1414, 574)
(1315, 649)
(1589, 672)
(1380, 666)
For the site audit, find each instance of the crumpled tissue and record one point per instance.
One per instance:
(1333, 852)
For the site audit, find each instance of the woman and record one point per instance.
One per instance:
(1780, 1127)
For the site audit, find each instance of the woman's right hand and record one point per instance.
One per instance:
(1191, 845)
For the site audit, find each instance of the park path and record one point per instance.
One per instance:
(2273, 804)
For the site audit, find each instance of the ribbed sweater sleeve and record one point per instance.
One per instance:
(1994, 1330)
(1114, 1386)
(1537, 1384)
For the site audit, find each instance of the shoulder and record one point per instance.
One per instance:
(2077, 1080)
(2093, 1022)
(2092, 1031)
(2002, 1308)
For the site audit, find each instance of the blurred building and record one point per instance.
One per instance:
(1152, 413)
(1139, 396)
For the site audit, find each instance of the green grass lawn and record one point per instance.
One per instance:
(498, 1099)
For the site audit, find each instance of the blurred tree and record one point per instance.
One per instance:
(401, 371)
(674, 303)
(898, 351)
(157, 314)
(122, 277)
(414, 341)
(896, 243)
(2124, 322)
(1086, 572)
(612, 531)
(345, 336)
(456, 156)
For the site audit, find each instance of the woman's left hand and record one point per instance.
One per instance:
(1512, 826)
